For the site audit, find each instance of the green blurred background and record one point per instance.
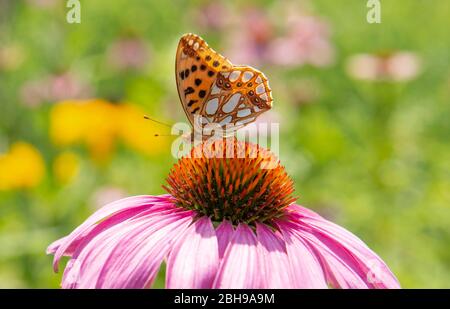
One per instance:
(363, 111)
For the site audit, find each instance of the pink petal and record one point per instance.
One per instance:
(305, 267)
(224, 234)
(127, 255)
(130, 206)
(344, 255)
(275, 259)
(56, 244)
(136, 259)
(97, 228)
(194, 260)
(240, 267)
(370, 266)
(298, 211)
(337, 264)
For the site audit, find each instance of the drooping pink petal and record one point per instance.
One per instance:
(56, 244)
(275, 262)
(84, 267)
(97, 228)
(240, 267)
(376, 273)
(194, 259)
(347, 260)
(305, 267)
(127, 255)
(224, 234)
(136, 259)
(338, 269)
(128, 207)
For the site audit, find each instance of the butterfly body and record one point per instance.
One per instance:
(210, 86)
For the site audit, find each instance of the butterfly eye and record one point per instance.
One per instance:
(239, 84)
(249, 84)
(256, 100)
(251, 93)
(220, 82)
(227, 85)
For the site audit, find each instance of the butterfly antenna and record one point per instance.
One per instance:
(157, 121)
(160, 122)
(161, 135)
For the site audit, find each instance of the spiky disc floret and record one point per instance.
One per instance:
(232, 180)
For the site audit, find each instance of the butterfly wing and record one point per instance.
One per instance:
(196, 68)
(237, 98)
(210, 86)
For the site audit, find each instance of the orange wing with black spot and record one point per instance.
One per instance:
(209, 85)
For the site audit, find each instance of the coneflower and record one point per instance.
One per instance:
(229, 221)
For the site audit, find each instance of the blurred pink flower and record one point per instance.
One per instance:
(397, 66)
(302, 91)
(253, 236)
(33, 93)
(128, 53)
(213, 16)
(43, 3)
(67, 86)
(307, 42)
(106, 195)
(249, 43)
(303, 39)
(54, 88)
(11, 56)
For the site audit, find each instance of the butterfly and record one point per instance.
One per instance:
(210, 86)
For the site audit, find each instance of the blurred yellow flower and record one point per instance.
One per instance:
(67, 123)
(98, 124)
(138, 133)
(21, 167)
(66, 166)
(92, 122)
(100, 128)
